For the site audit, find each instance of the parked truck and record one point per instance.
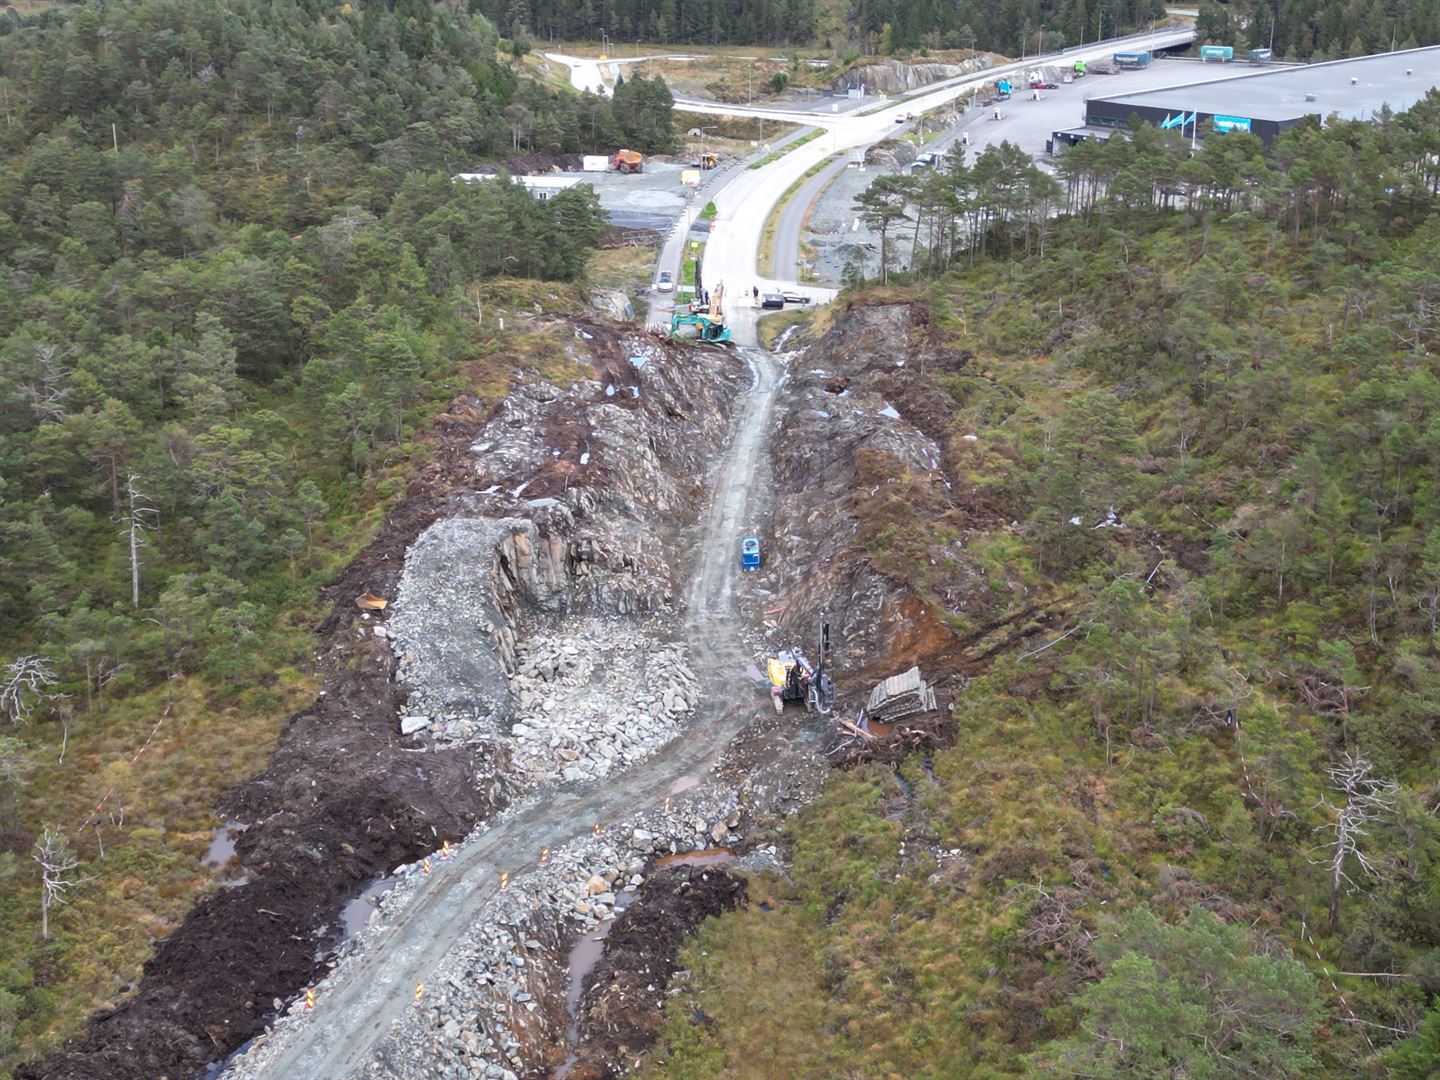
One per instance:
(628, 161)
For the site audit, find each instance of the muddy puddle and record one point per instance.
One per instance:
(222, 844)
(221, 853)
(584, 956)
(355, 915)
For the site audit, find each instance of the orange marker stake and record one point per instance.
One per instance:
(545, 856)
(419, 989)
(425, 867)
(667, 804)
(309, 998)
(445, 850)
(597, 828)
(504, 880)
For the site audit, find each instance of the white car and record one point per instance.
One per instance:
(666, 282)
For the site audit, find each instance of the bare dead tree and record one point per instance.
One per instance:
(65, 712)
(138, 520)
(24, 684)
(48, 392)
(1367, 798)
(57, 866)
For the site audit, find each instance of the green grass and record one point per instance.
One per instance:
(776, 155)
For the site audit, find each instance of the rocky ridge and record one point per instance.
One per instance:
(896, 77)
(580, 494)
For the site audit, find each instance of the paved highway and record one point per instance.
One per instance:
(744, 205)
(785, 259)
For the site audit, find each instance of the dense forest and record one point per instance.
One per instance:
(235, 277)
(1302, 29)
(1189, 441)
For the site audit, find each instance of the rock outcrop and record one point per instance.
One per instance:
(579, 495)
(894, 77)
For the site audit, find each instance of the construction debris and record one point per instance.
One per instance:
(368, 601)
(899, 696)
(902, 713)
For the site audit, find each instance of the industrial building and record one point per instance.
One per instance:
(1266, 102)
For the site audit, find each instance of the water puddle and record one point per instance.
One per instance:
(355, 915)
(584, 956)
(714, 856)
(222, 845)
(684, 783)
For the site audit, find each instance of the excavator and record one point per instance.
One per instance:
(792, 678)
(705, 317)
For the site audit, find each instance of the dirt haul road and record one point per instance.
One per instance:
(354, 1013)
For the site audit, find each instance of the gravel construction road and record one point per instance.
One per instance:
(371, 993)
(368, 995)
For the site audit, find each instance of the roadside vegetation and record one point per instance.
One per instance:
(1187, 453)
(237, 281)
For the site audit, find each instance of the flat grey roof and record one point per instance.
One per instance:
(1279, 94)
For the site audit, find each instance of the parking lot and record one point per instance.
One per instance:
(837, 237)
(1028, 123)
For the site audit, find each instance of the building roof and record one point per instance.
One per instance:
(1354, 89)
(530, 183)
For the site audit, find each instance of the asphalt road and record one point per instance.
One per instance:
(660, 305)
(365, 996)
(785, 259)
(732, 254)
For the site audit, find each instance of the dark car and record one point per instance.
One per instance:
(772, 300)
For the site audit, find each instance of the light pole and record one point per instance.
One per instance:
(604, 43)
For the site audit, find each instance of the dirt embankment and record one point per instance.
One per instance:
(626, 992)
(346, 796)
(874, 517)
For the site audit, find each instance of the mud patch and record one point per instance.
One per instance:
(624, 995)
